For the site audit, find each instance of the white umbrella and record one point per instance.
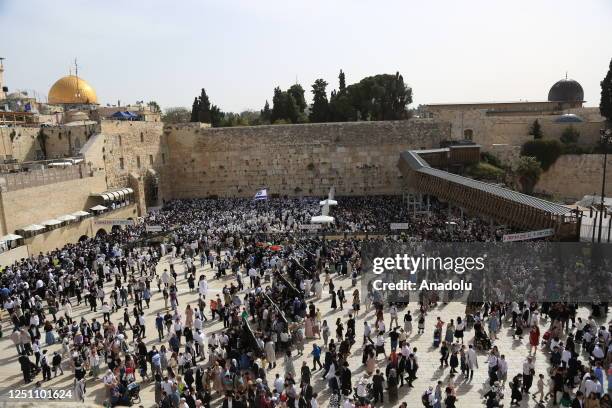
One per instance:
(98, 208)
(10, 237)
(67, 217)
(328, 202)
(51, 222)
(33, 227)
(80, 213)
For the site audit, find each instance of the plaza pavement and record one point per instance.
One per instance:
(469, 393)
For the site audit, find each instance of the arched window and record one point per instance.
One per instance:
(468, 134)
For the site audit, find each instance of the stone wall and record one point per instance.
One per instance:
(489, 128)
(132, 148)
(37, 204)
(23, 143)
(574, 176)
(355, 157)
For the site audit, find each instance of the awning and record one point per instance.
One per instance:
(67, 217)
(80, 213)
(98, 208)
(10, 237)
(119, 194)
(51, 222)
(33, 227)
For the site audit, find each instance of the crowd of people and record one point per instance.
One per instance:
(222, 347)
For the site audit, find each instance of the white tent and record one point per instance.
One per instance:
(322, 219)
(80, 213)
(33, 227)
(10, 237)
(67, 217)
(98, 208)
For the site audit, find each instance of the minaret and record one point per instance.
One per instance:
(2, 93)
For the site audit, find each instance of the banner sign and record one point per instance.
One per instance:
(399, 226)
(524, 236)
(114, 222)
(153, 228)
(311, 227)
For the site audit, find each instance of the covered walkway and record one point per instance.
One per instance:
(488, 200)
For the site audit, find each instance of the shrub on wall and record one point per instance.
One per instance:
(545, 151)
(485, 171)
(491, 159)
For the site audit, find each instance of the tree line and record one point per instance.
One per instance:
(379, 97)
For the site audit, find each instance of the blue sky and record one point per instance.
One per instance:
(447, 50)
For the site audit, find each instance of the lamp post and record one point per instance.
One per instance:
(606, 137)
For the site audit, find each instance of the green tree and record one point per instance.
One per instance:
(381, 97)
(319, 110)
(204, 110)
(176, 115)
(605, 105)
(570, 135)
(266, 113)
(292, 111)
(278, 105)
(216, 116)
(297, 92)
(342, 83)
(154, 106)
(528, 170)
(545, 151)
(195, 108)
(536, 130)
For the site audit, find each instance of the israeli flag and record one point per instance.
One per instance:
(261, 194)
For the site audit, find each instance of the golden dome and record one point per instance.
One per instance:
(72, 90)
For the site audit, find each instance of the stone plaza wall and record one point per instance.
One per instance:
(37, 204)
(574, 176)
(294, 160)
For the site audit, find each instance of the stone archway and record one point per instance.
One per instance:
(83, 238)
(101, 232)
(151, 188)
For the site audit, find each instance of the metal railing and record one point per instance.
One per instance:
(43, 176)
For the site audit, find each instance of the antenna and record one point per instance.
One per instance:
(565, 74)
(76, 70)
(1, 59)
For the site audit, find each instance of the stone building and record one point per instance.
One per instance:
(509, 123)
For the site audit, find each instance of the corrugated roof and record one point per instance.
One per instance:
(419, 165)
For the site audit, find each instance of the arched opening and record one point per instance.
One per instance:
(115, 228)
(101, 233)
(83, 238)
(468, 134)
(151, 187)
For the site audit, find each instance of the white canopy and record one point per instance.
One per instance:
(98, 208)
(114, 195)
(33, 227)
(67, 217)
(80, 213)
(10, 237)
(322, 219)
(51, 222)
(60, 164)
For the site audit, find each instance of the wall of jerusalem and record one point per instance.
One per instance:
(356, 157)
(574, 176)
